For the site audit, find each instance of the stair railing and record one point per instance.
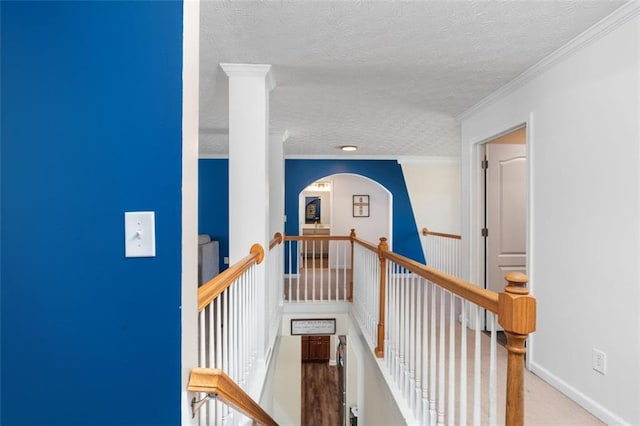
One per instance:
(219, 386)
(317, 268)
(425, 323)
(228, 325)
(442, 251)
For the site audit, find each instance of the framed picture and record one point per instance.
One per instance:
(360, 206)
(311, 209)
(305, 327)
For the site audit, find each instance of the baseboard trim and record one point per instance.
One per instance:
(580, 398)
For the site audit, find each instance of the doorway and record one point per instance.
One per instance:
(504, 175)
(333, 213)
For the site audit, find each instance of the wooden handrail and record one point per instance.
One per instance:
(215, 286)
(278, 238)
(426, 232)
(214, 381)
(366, 244)
(484, 298)
(317, 237)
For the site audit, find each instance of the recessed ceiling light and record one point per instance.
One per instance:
(349, 148)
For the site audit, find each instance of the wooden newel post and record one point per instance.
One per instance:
(517, 315)
(352, 235)
(382, 247)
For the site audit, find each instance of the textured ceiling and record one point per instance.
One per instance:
(389, 77)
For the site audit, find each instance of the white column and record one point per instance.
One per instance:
(249, 87)
(276, 179)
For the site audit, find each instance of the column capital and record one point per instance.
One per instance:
(250, 70)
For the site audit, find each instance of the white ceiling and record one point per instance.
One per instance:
(389, 77)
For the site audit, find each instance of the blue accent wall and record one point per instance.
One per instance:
(300, 173)
(213, 203)
(91, 98)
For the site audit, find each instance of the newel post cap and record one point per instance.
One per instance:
(516, 307)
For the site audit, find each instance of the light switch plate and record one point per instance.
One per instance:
(140, 234)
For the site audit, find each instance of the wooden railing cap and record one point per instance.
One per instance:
(516, 283)
(258, 250)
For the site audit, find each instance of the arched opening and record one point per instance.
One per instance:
(345, 201)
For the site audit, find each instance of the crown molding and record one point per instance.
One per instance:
(398, 159)
(206, 156)
(250, 70)
(429, 160)
(617, 18)
(339, 157)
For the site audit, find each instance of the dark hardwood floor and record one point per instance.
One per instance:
(320, 394)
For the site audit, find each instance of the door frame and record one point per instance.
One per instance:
(476, 250)
(189, 200)
(485, 208)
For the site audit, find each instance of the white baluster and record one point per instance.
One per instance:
(425, 352)
(476, 368)
(432, 358)
(451, 410)
(492, 372)
(412, 343)
(202, 343)
(441, 360)
(417, 390)
(462, 420)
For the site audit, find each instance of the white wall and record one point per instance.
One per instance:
(368, 228)
(434, 191)
(287, 392)
(376, 404)
(584, 228)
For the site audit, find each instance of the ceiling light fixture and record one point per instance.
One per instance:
(349, 148)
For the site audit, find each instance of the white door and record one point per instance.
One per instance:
(506, 208)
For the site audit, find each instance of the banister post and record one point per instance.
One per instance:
(352, 235)
(382, 247)
(517, 315)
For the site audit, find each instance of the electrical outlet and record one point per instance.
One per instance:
(599, 361)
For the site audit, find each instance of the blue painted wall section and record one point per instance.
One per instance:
(300, 173)
(91, 128)
(213, 203)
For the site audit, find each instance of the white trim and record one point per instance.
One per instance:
(285, 135)
(603, 27)
(341, 157)
(250, 70)
(476, 254)
(399, 158)
(190, 132)
(213, 156)
(530, 141)
(580, 398)
(429, 160)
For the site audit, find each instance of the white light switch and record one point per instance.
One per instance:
(140, 234)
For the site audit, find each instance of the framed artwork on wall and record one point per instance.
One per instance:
(360, 206)
(312, 210)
